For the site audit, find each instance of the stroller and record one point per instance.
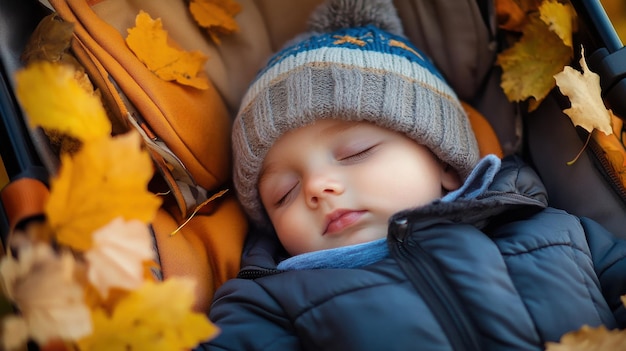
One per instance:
(199, 231)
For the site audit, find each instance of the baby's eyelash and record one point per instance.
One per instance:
(284, 198)
(359, 155)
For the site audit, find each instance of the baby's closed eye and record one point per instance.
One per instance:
(356, 154)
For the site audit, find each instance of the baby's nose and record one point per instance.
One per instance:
(319, 187)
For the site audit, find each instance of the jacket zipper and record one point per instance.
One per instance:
(427, 279)
(257, 273)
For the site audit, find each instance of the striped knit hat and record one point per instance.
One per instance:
(354, 64)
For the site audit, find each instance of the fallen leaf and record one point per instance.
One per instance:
(50, 41)
(117, 256)
(106, 179)
(590, 339)
(529, 65)
(512, 14)
(217, 16)
(53, 99)
(157, 316)
(149, 41)
(583, 90)
(559, 18)
(14, 332)
(43, 288)
(613, 147)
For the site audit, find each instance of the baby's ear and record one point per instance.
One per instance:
(450, 179)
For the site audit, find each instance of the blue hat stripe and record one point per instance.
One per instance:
(368, 38)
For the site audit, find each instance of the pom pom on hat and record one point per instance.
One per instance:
(353, 65)
(339, 14)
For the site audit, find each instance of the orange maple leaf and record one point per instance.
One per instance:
(512, 14)
(149, 41)
(217, 16)
(613, 147)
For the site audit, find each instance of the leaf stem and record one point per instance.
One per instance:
(215, 196)
(581, 151)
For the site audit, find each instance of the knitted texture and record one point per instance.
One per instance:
(353, 74)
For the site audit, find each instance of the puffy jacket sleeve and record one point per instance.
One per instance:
(609, 259)
(249, 319)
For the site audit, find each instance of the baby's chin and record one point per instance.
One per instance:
(353, 237)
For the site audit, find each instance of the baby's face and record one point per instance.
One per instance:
(336, 183)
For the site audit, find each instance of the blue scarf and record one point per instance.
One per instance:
(363, 254)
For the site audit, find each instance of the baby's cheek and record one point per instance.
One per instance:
(293, 231)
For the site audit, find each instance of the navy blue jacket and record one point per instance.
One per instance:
(499, 272)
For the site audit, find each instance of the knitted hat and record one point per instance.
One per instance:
(354, 65)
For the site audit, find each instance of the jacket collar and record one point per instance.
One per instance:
(514, 191)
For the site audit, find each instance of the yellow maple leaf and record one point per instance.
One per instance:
(157, 316)
(560, 19)
(54, 99)
(216, 16)
(590, 339)
(529, 65)
(584, 92)
(106, 179)
(117, 256)
(149, 41)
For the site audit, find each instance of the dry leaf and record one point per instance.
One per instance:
(530, 64)
(44, 290)
(106, 179)
(53, 99)
(217, 16)
(116, 258)
(613, 148)
(149, 42)
(14, 332)
(584, 92)
(543, 50)
(512, 14)
(50, 41)
(590, 339)
(157, 316)
(559, 18)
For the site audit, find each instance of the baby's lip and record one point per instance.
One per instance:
(338, 220)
